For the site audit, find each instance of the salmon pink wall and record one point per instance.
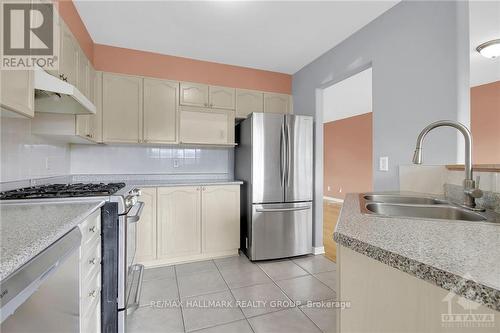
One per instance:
(485, 123)
(347, 150)
(72, 19)
(128, 61)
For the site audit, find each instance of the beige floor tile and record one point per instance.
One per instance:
(260, 299)
(306, 288)
(210, 310)
(285, 321)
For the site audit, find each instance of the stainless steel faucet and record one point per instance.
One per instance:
(471, 187)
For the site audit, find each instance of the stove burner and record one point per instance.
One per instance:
(62, 191)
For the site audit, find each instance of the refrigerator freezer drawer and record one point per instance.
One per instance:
(281, 230)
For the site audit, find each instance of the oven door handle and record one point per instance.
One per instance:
(135, 212)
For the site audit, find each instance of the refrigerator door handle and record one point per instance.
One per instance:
(288, 209)
(288, 153)
(282, 153)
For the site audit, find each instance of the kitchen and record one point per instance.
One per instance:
(144, 178)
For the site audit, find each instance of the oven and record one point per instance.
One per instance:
(129, 273)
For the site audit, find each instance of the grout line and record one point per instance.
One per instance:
(298, 307)
(180, 300)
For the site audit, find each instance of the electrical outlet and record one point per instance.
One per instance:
(176, 163)
(340, 189)
(328, 188)
(383, 163)
(47, 163)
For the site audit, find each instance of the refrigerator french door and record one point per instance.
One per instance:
(274, 158)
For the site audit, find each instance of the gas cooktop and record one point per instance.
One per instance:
(62, 191)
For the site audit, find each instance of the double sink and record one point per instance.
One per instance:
(394, 205)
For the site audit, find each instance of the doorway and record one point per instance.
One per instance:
(347, 147)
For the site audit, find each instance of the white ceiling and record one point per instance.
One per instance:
(348, 98)
(484, 26)
(275, 36)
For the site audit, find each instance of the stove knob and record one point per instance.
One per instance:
(138, 192)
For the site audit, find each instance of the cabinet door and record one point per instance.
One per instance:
(83, 74)
(68, 66)
(17, 91)
(220, 218)
(121, 108)
(277, 103)
(146, 228)
(248, 101)
(206, 127)
(222, 97)
(96, 94)
(194, 94)
(179, 222)
(160, 110)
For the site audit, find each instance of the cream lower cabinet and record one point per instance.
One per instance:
(220, 218)
(17, 93)
(122, 108)
(277, 103)
(191, 223)
(161, 98)
(90, 274)
(179, 222)
(146, 228)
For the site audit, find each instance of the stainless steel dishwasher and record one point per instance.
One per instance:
(43, 295)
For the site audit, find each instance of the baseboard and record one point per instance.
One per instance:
(318, 250)
(333, 199)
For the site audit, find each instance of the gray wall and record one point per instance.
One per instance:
(419, 54)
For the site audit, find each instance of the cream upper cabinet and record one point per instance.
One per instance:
(248, 101)
(221, 97)
(206, 126)
(96, 97)
(194, 94)
(146, 228)
(90, 126)
(68, 65)
(17, 92)
(83, 74)
(220, 218)
(179, 221)
(277, 103)
(122, 108)
(160, 110)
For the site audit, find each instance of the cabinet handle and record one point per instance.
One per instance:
(93, 229)
(93, 293)
(93, 261)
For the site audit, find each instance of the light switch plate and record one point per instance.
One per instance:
(383, 163)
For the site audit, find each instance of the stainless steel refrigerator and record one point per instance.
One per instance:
(274, 158)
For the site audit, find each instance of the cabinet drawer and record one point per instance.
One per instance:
(90, 292)
(90, 322)
(91, 228)
(90, 259)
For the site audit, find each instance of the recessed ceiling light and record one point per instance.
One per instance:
(490, 49)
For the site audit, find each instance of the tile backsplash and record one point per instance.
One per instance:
(26, 156)
(127, 159)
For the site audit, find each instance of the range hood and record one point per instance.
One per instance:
(53, 95)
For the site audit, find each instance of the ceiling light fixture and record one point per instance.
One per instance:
(490, 49)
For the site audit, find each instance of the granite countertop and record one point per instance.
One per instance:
(459, 256)
(26, 229)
